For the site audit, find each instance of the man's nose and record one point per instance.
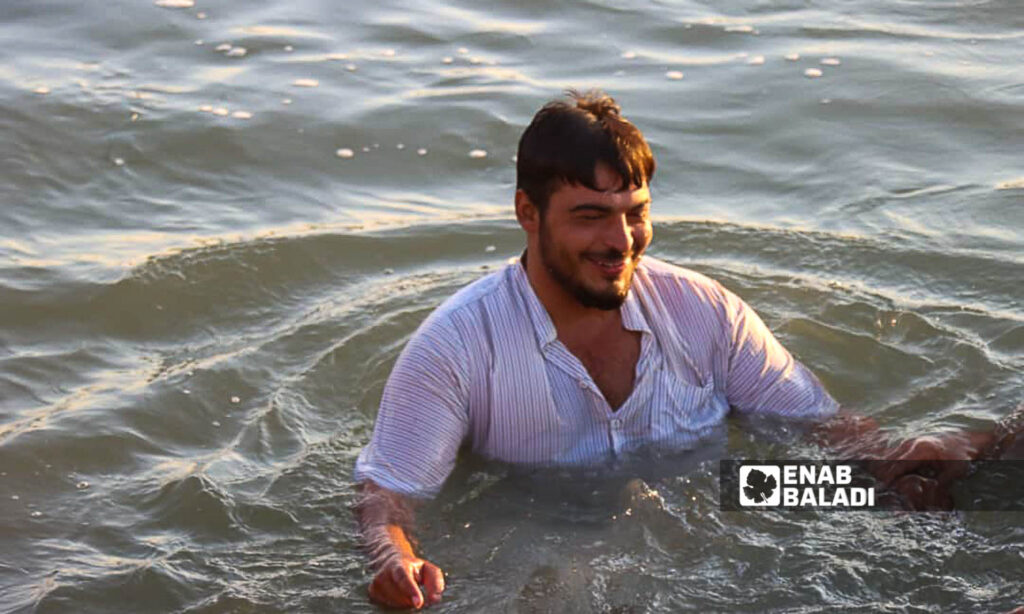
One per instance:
(619, 235)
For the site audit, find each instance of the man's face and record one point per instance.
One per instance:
(592, 240)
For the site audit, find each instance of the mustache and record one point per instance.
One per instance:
(613, 255)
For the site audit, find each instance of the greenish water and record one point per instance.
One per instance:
(198, 311)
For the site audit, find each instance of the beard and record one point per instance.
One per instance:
(567, 270)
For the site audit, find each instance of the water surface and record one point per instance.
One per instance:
(202, 293)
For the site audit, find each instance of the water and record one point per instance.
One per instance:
(201, 296)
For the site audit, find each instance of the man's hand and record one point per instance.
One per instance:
(397, 583)
(920, 469)
(930, 457)
(383, 516)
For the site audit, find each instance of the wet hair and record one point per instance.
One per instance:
(566, 140)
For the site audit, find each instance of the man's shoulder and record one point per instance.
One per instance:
(667, 277)
(456, 323)
(466, 301)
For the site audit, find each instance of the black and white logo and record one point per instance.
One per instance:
(802, 484)
(759, 485)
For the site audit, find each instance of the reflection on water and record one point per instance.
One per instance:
(222, 222)
(217, 397)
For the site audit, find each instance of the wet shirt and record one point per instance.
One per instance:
(487, 369)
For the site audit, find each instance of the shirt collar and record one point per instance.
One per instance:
(543, 327)
(632, 316)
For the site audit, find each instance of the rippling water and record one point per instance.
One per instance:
(220, 224)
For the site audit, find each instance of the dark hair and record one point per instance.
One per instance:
(566, 140)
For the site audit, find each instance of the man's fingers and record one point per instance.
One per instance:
(397, 585)
(952, 470)
(383, 590)
(922, 493)
(433, 582)
(885, 469)
(393, 586)
(888, 471)
(910, 456)
(407, 585)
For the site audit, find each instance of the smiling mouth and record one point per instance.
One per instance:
(609, 267)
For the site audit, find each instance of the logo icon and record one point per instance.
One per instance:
(759, 485)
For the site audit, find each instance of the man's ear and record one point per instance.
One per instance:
(527, 213)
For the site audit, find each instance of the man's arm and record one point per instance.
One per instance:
(764, 378)
(919, 468)
(384, 519)
(422, 421)
(856, 436)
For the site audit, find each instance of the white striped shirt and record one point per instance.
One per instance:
(486, 368)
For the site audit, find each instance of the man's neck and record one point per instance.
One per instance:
(567, 314)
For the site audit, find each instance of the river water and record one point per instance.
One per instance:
(220, 223)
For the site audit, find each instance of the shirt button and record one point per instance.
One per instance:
(616, 423)
(583, 384)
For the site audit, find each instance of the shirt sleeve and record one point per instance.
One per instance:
(423, 416)
(762, 375)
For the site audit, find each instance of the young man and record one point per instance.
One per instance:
(581, 351)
